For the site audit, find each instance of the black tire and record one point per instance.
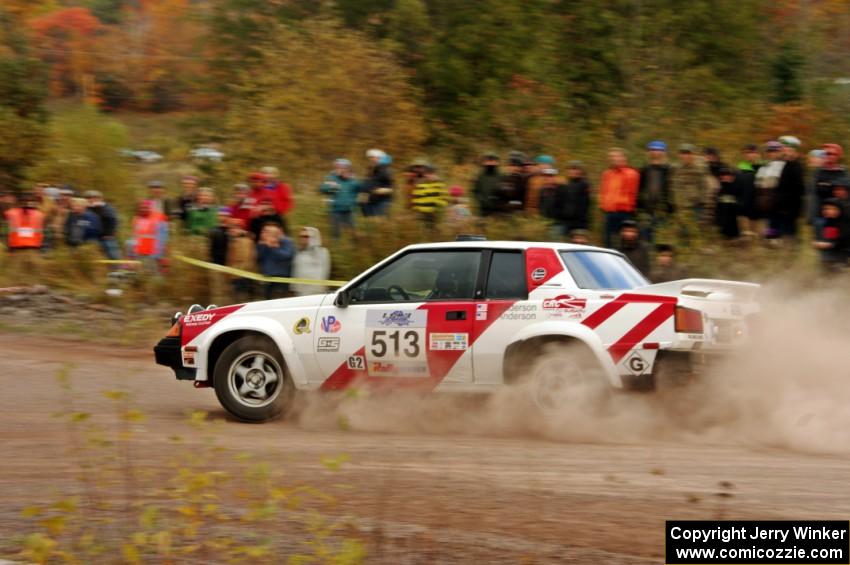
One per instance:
(251, 381)
(564, 375)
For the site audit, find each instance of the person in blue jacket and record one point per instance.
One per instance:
(82, 225)
(275, 252)
(342, 188)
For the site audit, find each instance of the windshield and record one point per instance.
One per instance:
(597, 270)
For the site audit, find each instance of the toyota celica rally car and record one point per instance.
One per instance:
(464, 316)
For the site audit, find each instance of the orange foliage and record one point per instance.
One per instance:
(67, 40)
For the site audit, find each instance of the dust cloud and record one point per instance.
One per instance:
(789, 390)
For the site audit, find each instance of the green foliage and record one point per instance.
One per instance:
(338, 94)
(23, 88)
(82, 151)
(786, 67)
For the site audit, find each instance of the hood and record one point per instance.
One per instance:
(298, 302)
(709, 289)
(315, 239)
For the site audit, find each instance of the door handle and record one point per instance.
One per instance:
(456, 315)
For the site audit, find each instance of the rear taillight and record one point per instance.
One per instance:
(688, 320)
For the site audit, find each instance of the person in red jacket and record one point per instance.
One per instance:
(618, 192)
(283, 199)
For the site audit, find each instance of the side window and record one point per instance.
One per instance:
(506, 278)
(421, 276)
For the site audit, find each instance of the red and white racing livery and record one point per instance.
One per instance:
(463, 316)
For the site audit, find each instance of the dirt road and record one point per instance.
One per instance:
(442, 493)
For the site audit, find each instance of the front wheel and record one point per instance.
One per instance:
(250, 381)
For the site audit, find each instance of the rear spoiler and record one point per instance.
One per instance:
(704, 288)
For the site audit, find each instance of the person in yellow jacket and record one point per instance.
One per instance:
(429, 197)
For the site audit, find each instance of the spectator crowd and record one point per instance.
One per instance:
(697, 200)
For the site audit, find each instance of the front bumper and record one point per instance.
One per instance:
(167, 352)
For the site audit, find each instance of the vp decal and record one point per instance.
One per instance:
(331, 325)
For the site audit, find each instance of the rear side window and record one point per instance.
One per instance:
(507, 276)
(597, 270)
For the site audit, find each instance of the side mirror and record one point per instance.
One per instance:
(343, 299)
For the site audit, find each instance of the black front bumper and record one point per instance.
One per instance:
(167, 352)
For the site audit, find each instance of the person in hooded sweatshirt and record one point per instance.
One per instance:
(833, 238)
(311, 262)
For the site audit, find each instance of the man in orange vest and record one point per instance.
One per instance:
(25, 225)
(150, 233)
(618, 192)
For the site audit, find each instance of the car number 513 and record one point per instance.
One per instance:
(395, 343)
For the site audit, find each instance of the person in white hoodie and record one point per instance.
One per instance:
(311, 262)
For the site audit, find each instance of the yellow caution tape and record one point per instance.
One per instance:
(118, 261)
(254, 276)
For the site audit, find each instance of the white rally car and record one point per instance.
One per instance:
(463, 316)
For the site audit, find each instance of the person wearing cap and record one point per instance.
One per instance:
(82, 225)
(570, 208)
(726, 207)
(833, 236)
(665, 268)
(574, 200)
(342, 188)
(202, 215)
(510, 194)
(690, 185)
(536, 182)
(378, 184)
(189, 188)
(108, 224)
(631, 245)
(618, 190)
(414, 175)
(748, 166)
(790, 189)
(767, 178)
(550, 180)
(824, 179)
(655, 200)
(429, 198)
(485, 189)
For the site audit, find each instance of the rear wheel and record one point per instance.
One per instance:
(250, 379)
(563, 376)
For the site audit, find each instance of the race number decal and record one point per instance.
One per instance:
(396, 343)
